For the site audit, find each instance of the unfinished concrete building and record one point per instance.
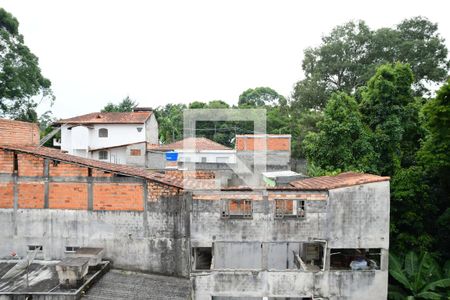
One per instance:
(316, 238)
(298, 242)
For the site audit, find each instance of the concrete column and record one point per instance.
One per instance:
(46, 184)
(145, 200)
(90, 187)
(15, 192)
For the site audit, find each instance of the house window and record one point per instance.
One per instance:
(103, 133)
(35, 247)
(289, 208)
(202, 258)
(71, 249)
(135, 152)
(103, 155)
(203, 159)
(139, 129)
(237, 208)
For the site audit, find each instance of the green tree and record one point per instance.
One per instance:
(385, 108)
(418, 277)
(343, 141)
(170, 122)
(350, 54)
(20, 74)
(434, 157)
(126, 105)
(260, 96)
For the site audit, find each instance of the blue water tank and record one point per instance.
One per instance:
(171, 156)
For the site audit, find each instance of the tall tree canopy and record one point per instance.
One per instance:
(385, 108)
(261, 96)
(126, 105)
(20, 75)
(349, 55)
(343, 141)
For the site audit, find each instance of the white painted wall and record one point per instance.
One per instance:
(118, 134)
(79, 140)
(115, 155)
(211, 156)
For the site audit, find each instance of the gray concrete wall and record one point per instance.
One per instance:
(156, 241)
(367, 285)
(208, 226)
(151, 130)
(136, 160)
(156, 160)
(358, 216)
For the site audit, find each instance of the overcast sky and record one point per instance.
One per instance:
(160, 52)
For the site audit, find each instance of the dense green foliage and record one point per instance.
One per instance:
(170, 117)
(351, 53)
(126, 105)
(343, 142)
(20, 75)
(260, 96)
(418, 277)
(385, 106)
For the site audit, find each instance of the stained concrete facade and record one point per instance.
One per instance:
(155, 240)
(253, 257)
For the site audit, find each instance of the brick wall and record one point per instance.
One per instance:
(65, 169)
(6, 162)
(31, 195)
(68, 195)
(6, 195)
(30, 165)
(197, 174)
(118, 196)
(157, 190)
(127, 196)
(274, 143)
(18, 133)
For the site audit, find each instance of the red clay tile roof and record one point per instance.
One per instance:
(200, 143)
(138, 117)
(338, 181)
(109, 167)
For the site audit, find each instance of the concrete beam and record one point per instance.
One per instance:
(70, 179)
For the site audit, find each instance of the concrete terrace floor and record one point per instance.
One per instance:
(117, 284)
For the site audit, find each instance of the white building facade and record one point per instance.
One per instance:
(117, 137)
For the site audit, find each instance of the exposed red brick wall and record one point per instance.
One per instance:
(31, 195)
(100, 173)
(68, 195)
(65, 169)
(6, 162)
(274, 143)
(197, 174)
(6, 195)
(30, 165)
(157, 190)
(18, 133)
(118, 196)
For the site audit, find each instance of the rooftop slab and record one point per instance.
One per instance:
(118, 284)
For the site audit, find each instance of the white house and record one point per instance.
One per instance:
(117, 137)
(197, 150)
